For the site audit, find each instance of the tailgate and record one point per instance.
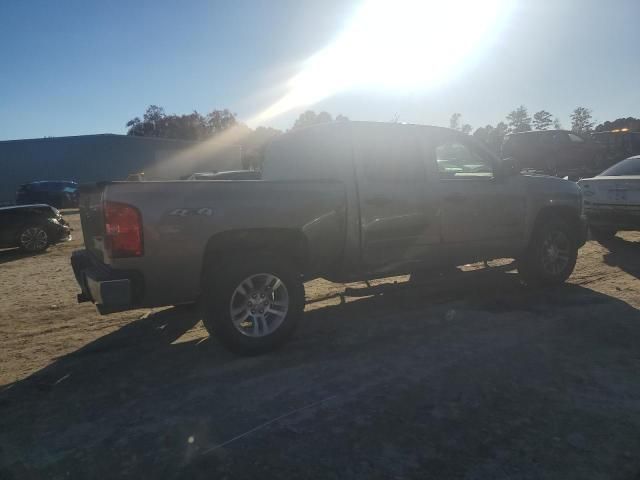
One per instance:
(92, 217)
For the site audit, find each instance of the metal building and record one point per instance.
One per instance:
(91, 158)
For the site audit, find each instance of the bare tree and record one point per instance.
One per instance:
(519, 120)
(581, 120)
(454, 121)
(542, 120)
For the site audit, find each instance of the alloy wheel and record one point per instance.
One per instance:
(34, 239)
(259, 305)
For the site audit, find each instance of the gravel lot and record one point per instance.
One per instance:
(470, 376)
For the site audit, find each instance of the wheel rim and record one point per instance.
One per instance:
(259, 305)
(33, 238)
(555, 253)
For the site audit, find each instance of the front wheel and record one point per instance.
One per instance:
(252, 304)
(551, 255)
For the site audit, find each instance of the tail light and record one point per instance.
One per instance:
(123, 230)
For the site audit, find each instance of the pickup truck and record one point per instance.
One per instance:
(344, 201)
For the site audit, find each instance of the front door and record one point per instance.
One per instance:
(482, 214)
(399, 225)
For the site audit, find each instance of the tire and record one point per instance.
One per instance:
(266, 294)
(602, 234)
(551, 255)
(33, 239)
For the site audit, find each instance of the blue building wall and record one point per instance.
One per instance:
(91, 158)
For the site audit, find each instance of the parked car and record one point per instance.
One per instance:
(229, 175)
(556, 152)
(32, 227)
(618, 144)
(344, 201)
(59, 194)
(612, 199)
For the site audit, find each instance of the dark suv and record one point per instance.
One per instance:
(31, 227)
(555, 152)
(59, 194)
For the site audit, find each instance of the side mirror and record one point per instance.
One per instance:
(509, 167)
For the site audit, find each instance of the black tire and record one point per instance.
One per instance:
(33, 239)
(551, 255)
(602, 234)
(220, 295)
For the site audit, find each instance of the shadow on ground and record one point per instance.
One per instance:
(471, 377)
(623, 254)
(12, 254)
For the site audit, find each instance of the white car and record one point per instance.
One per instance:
(611, 200)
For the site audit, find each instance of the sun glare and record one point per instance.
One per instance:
(399, 45)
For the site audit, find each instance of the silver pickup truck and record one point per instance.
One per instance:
(344, 201)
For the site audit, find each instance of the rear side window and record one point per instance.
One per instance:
(456, 159)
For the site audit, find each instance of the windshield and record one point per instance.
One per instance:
(630, 166)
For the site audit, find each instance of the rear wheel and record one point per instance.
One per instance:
(551, 255)
(253, 304)
(33, 239)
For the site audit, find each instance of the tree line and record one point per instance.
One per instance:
(155, 122)
(195, 126)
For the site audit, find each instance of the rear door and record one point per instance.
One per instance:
(399, 225)
(482, 214)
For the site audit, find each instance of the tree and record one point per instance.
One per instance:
(492, 136)
(542, 120)
(254, 144)
(310, 117)
(193, 126)
(519, 120)
(633, 124)
(581, 120)
(466, 129)
(454, 121)
(219, 120)
(556, 124)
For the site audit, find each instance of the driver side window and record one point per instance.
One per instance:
(457, 160)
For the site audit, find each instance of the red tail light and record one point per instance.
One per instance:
(123, 230)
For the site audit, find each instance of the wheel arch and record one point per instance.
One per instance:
(566, 213)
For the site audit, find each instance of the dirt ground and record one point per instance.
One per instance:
(468, 376)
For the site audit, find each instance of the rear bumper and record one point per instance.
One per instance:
(111, 290)
(619, 217)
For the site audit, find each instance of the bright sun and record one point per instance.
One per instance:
(398, 45)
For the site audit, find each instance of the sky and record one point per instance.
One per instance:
(83, 67)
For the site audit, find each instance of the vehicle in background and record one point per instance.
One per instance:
(135, 177)
(555, 152)
(58, 194)
(612, 199)
(618, 144)
(343, 201)
(229, 175)
(32, 227)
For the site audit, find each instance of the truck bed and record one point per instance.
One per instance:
(181, 218)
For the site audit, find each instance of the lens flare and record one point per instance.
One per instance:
(396, 45)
